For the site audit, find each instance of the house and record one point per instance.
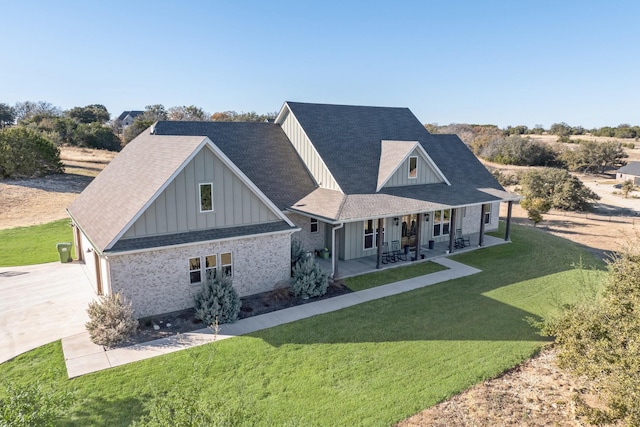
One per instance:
(631, 171)
(126, 118)
(187, 198)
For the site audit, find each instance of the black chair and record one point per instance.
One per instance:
(397, 252)
(387, 256)
(461, 241)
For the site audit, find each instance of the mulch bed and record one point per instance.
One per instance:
(178, 322)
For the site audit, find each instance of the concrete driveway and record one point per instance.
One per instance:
(40, 304)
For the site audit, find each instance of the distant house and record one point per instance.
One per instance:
(629, 172)
(126, 118)
(188, 199)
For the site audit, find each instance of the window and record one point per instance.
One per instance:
(314, 225)
(441, 222)
(226, 263)
(413, 167)
(206, 197)
(211, 266)
(487, 213)
(195, 270)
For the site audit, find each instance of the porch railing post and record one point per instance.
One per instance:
(507, 231)
(482, 212)
(452, 226)
(379, 242)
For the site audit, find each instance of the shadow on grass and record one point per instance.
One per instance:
(107, 412)
(458, 310)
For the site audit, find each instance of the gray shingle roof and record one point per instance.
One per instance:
(198, 236)
(260, 150)
(128, 183)
(133, 114)
(631, 168)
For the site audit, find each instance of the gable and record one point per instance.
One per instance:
(177, 208)
(396, 160)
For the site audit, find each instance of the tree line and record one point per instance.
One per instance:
(32, 132)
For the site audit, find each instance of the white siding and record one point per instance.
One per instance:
(177, 208)
(308, 153)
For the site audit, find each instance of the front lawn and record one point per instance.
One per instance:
(372, 364)
(35, 244)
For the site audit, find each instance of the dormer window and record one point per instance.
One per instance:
(206, 197)
(413, 167)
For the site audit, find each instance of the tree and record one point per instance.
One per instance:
(595, 157)
(233, 116)
(557, 187)
(95, 135)
(26, 110)
(627, 187)
(136, 128)
(25, 153)
(184, 113)
(515, 150)
(90, 114)
(535, 207)
(599, 337)
(560, 129)
(7, 115)
(153, 113)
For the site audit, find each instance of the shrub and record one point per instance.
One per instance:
(30, 406)
(557, 187)
(297, 252)
(218, 301)
(111, 320)
(309, 280)
(24, 153)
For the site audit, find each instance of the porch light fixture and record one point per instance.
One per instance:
(396, 220)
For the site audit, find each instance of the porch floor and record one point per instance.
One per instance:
(356, 267)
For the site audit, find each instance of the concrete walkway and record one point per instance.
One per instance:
(40, 304)
(82, 356)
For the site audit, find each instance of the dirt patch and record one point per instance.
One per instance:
(535, 393)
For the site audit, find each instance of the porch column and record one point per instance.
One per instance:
(335, 250)
(379, 237)
(418, 233)
(452, 225)
(481, 241)
(507, 230)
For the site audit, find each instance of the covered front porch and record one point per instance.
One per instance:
(358, 266)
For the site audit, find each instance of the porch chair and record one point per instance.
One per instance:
(387, 256)
(397, 251)
(461, 241)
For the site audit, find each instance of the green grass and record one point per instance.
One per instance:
(372, 364)
(33, 245)
(379, 278)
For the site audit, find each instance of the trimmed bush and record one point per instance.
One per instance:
(111, 320)
(297, 252)
(309, 280)
(218, 301)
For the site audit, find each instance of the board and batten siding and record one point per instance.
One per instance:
(352, 240)
(426, 174)
(177, 208)
(308, 153)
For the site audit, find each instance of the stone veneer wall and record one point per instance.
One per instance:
(310, 241)
(471, 221)
(157, 281)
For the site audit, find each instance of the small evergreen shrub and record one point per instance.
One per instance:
(297, 252)
(111, 320)
(309, 280)
(218, 301)
(30, 406)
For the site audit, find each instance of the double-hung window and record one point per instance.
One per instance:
(441, 222)
(195, 270)
(369, 234)
(314, 225)
(214, 265)
(487, 213)
(211, 266)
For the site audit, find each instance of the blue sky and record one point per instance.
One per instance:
(499, 62)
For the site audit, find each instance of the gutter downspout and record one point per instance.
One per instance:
(334, 261)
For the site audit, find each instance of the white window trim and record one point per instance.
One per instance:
(487, 213)
(374, 235)
(206, 269)
(222, 266)
(441, 223)
(312, 222)
(409, 168)
(200, 197)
